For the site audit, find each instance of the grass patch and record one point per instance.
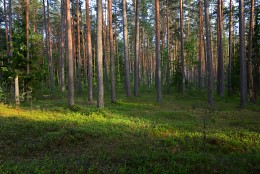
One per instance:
(134, 135)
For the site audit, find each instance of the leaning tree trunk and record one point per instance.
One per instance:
(209, 54)
(100, 96)
(157, 51)
(126, 49)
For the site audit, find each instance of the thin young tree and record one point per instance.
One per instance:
(243, 80)
(201, 54)
(112, 61)
(89, 55)
(27, 35)
(126, 51)
(157, 51)
(250, 43)
(209, 54)
(100, 94)
(70, 57)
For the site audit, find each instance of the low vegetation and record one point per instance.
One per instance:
(134, 135)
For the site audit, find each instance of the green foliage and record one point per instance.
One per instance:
(134, 135)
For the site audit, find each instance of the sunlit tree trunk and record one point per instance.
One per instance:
(112, 61)
(89, 55)
(17, 95)
(157, 51)
(70, 57)
(100, 96)
(62, 62)
(168, 76)
(126, 49)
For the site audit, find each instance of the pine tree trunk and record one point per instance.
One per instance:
(136, 50)
(78, 49)
(182, 50)
(157, 51)
(89, 54)
(100, 97)
(126, 54)
(230, 50)
(70, 57)
(201, 54)
(27, 35)
(16, 86)
(250, 66)
(243, 82)
(220, 71)
(112, 61)
(62, 62)
(209, 54)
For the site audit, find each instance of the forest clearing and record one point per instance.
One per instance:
(129, 86)
(134, 135)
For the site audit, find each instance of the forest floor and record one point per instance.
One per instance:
(134, 135)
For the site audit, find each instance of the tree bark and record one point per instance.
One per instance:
(100, 96)
(136, 50)
(27, 35)
(70, 57)
(243, 82)
(16, 85)
(62, 62)
(157, 51)
(126, 54)
(78, 49)
(220, 73)
(209, 54)
(250, 43)
(112, 61)
(201, 54)
(182, 50)
(89, 55)
(230, 50)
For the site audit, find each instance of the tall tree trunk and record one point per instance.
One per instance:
(168, 76)
(62, 62)
(112, 61)
(201, 54)
(10, 30)
(78, 49)
(89, 54)
(136, 50)
(100, 96)
(70, 57)
(230, 49)
(27, 35)
(250, 66)
(182, 50)
(105, 57)
(243, 82)
(209, 54)
(126, 54)
(50, 51)
(220, 73)
(157, 51)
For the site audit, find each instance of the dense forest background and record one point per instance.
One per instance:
(89, 48)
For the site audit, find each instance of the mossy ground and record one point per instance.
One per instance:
(134, 135)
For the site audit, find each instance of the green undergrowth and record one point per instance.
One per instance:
(134, 135)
